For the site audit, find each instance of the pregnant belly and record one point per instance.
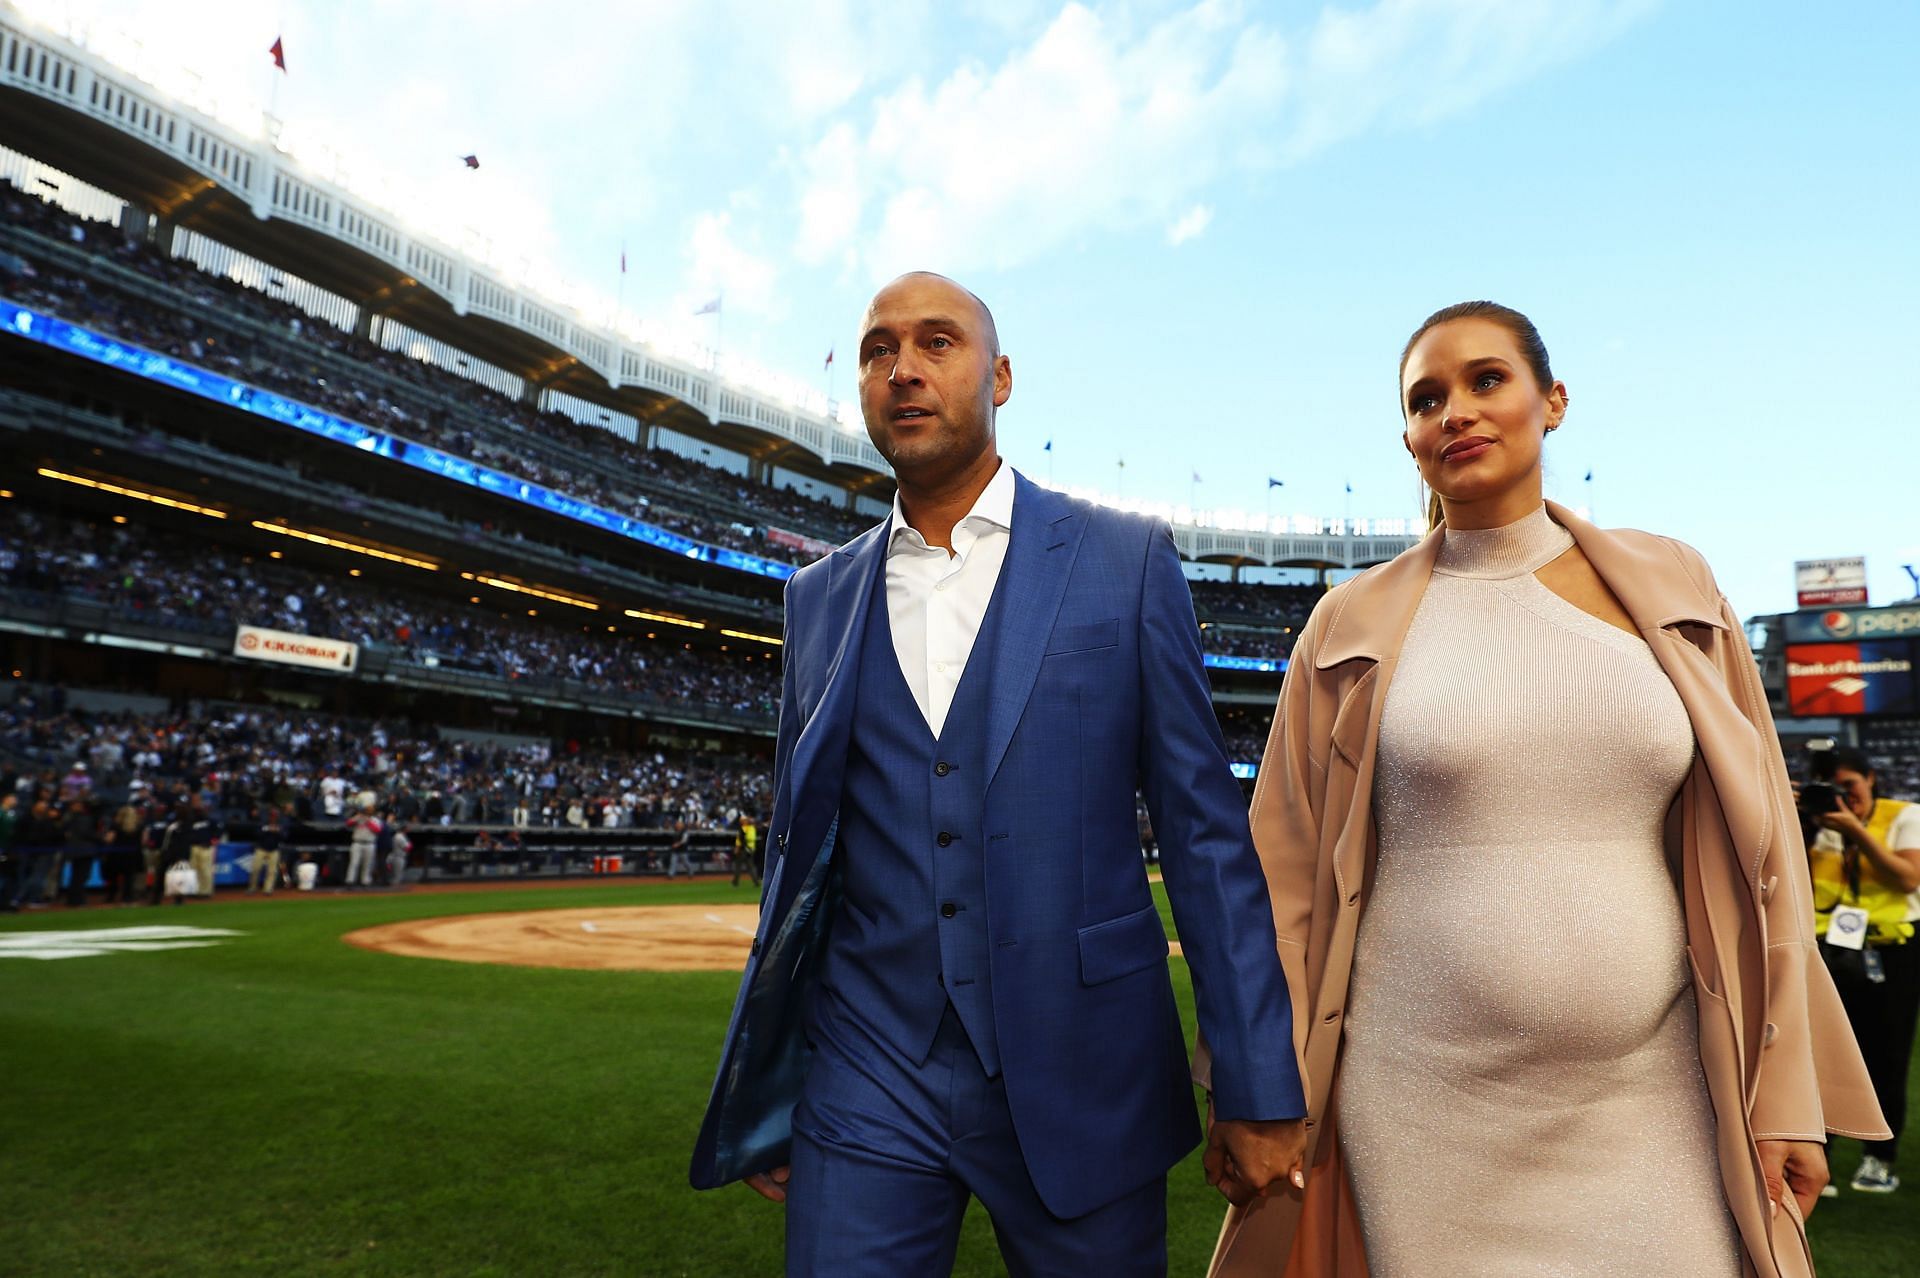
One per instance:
(1557, 956)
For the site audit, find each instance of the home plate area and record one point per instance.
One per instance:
(650, 938)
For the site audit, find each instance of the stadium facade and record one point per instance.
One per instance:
(277, 450)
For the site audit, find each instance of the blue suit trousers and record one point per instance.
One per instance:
(887, 1152)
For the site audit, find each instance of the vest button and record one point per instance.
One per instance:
(948, 909)
(944, 839)
(941, 768)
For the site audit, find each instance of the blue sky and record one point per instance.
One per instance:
(1206, 230)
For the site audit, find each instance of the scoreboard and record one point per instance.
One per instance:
(1853, 661)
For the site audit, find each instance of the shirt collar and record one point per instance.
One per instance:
(994, 506)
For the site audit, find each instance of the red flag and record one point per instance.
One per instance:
(279, 52)
(623, 261)
(829, 363)
(471, 161)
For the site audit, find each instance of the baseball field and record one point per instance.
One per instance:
(260, 1096)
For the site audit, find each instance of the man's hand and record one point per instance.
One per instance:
(772, 1185)
(1248, 1158)
(1796, 1166)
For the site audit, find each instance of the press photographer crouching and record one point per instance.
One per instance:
(1865, 857)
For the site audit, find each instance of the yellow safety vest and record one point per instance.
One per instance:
(1886, 903)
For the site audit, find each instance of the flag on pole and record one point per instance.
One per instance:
(1197, 479)
(1274, 483)
(1123, 463)
(1349, 489)
(279, 52)
(623, 259)
(711, 308)
(471, 161)
(1589, 477)
(1047, 447)
(829, 363)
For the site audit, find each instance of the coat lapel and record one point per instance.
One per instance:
(1666, 603)
(1377, 607)
(1033, 580)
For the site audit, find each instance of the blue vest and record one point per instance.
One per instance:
(911, 936)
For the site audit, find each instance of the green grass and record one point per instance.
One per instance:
(288, 1104)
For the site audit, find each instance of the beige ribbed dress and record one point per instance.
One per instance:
(1521, 1090)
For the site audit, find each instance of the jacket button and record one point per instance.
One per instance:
(944, 839)
(941, 768)
(948, 909)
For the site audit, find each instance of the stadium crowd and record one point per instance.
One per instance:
(95, 784)
(155, 576)
(1238, 601)
(443, 409)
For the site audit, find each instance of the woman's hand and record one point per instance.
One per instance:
(1796, 1166)
(1843, 820)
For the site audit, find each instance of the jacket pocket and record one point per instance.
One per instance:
(1084, 637)
(1119, 946)
(1349, 733)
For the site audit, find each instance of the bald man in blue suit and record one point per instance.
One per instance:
(959, 985)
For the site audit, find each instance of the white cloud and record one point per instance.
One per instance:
(1090, 124)
(1101, 123)
(1192, 223)
(1414, 62)
(719, 263)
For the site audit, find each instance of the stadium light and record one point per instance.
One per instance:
(336, 543)
(748, 634)
(501, 583)
(121, 490)
(641, 614)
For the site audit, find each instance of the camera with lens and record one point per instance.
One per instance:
(1819, 796)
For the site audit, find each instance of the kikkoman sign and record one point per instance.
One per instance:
(260, 644)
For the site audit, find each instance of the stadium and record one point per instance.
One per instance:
(308, 515)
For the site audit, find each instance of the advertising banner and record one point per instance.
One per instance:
(289, 649)
(1900, 622)
(798, 541)
(1852, 678)
(1822, 583)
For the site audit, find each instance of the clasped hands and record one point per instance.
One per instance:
(1247, 1158)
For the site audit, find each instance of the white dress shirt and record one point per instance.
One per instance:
(936, 601)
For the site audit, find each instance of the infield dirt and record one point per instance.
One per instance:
(645, 938)
(649, 938)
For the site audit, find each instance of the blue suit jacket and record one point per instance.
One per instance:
(1098, 688)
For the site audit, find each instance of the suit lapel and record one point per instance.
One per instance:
(1040, 552)
(820, 753)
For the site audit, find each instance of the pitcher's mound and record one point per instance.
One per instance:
(647, 938)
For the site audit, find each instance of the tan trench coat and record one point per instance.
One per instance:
(1780, 1058)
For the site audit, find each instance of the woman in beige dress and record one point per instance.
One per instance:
(1556, 998)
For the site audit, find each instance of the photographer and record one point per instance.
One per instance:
(1865, 858)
